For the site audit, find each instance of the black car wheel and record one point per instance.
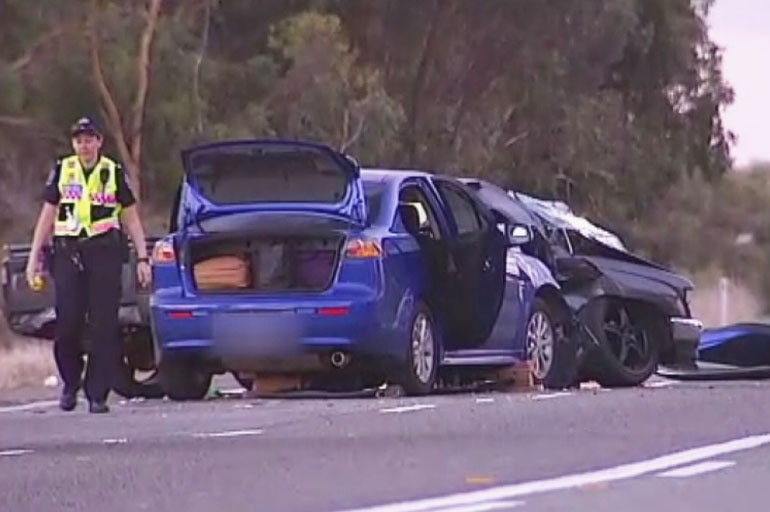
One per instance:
(137, 375)
(629, 338)
(183, 380)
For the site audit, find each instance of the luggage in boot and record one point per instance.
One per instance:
(222, 272)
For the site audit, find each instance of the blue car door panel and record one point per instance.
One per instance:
(479, 250)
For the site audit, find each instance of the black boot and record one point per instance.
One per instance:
(98, 407)
(68, 400)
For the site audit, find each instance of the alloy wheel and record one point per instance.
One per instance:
(423, 348)
(540, 344)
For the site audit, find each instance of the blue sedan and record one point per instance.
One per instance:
(287, 258)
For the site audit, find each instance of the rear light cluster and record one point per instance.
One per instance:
(163, 252)
(180, 315)
(332, 311)
(361, 248)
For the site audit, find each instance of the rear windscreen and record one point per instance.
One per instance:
(244, 175)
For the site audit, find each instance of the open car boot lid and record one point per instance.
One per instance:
(255, 175)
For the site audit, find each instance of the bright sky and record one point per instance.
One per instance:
(742, 29)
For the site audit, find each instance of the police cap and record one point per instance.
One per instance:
(85, 125)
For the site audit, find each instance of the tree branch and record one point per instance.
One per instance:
(345, 127)
(197, 68)
(26, 58)
(39, 128)
(356, 134)
(143, 79)
(516, 138)
(16, 122)
(108, 102)
(420, 77)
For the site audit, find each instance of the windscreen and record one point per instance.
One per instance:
(244, 174)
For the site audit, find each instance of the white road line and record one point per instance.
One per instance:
(13, 453)
(29, 406)
(622, 472)
(230, 433)
(121, 440)
(660, 384)
(548, 396)
(697, 469)
(233, 391)
(482, 507)
(408, 408)
(485, 400)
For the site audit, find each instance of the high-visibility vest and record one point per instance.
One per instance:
(87, 205)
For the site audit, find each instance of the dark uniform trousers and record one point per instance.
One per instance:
(87, 274)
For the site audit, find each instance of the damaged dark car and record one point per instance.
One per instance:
(633, 314)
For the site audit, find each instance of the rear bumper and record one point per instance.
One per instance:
(685, 333)
(276, 337)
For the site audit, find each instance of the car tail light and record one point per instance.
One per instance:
(341, 311)
(362, 249)
(180, 315)
(163, 252)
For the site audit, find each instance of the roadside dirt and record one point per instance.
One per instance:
(27, 362)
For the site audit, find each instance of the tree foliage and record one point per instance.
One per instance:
(609, 104)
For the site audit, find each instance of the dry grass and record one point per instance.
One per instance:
(26, 363)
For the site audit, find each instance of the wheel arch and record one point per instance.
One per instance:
(564, 370)
(554, 298)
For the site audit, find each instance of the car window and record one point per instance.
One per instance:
(411, 194)
(374, 192)
(173, 220)
(462, 208)
(498, 199)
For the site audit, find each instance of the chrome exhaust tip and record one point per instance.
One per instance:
(339, 359)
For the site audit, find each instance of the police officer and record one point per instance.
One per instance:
(86, 200)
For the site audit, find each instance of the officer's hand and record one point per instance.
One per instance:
(144, 273)
(32, 271)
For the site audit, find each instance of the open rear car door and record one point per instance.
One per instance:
(479, 251)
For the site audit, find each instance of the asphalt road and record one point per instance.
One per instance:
(681, 446)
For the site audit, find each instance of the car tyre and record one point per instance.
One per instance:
(551, 355)
(137, 356)
(419, 372)
(629, 338)
(182, 381)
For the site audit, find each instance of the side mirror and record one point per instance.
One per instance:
(518, 234)
(515, 234)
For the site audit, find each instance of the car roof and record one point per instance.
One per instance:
(393, 177)
(390, 175)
